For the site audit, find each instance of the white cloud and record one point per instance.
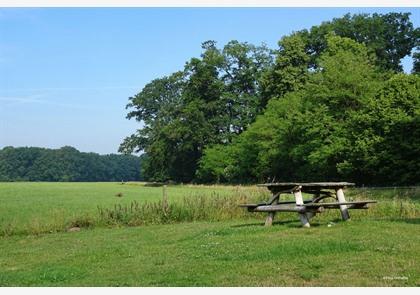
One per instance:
(73, 88)
(22, 99)
(36, 99)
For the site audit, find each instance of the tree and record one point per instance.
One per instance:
(242, 74)
(390, 36)
(290, 71)
(303, 135)
(385, 135)
(65, 164)
(235, 115)
(211, 101)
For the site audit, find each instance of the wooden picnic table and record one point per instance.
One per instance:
(307, 208)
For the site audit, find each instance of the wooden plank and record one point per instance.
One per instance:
(311, 207)
(307, 206)
(335, 206)
(337, 203)
(278, 203)
(308, 184)
(358, 206)
(286, 208)
(280, 208)
(274, 198)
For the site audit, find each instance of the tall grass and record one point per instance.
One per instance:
(197, 208)
(213, 207)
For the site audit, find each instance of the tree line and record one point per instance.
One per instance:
(65, 164)
(330, 103)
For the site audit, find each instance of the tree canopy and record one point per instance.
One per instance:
(330, 103)
(65, 164)
(212, 100)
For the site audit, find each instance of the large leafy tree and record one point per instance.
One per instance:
(211, 101)
(242, 73)
(157, 106)
(390, 36)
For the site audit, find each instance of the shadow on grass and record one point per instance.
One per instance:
(286, 223)
(293, 223)
(408, 220)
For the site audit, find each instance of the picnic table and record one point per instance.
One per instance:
(307, 208)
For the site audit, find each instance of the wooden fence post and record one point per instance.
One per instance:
(164, 198)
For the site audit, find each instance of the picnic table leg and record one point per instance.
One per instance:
(269, 219)
(299, 201)
(343, 208)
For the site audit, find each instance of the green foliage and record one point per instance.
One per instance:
(389, 36)
(416, 62)
(329, 105)
(213, 164)
(211, 101)
(347, 121)
(386, 133)
(65, 164)
(290, 71)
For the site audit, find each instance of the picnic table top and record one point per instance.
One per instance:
(308, 184)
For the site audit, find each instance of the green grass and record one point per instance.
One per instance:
(48, 207)
(223, 247)
(218, 254)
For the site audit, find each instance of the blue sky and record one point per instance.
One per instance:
(66, 73)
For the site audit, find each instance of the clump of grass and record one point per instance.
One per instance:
(84, 221)
(36, 227)
(385, 209)
(412, 193)
(7, 229)
(196, 208)
(390, 210)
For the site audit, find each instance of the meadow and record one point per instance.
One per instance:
(131, 235)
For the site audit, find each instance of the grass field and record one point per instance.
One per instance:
(378, 247)
(43, 207)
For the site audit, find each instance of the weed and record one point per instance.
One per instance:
(84, 221)
(7, 229)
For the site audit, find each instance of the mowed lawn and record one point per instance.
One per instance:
(217, 254)
(379, 247)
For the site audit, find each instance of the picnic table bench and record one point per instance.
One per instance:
(307, 208)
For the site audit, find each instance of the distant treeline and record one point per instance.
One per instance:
(65, 164)
(330, 103)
